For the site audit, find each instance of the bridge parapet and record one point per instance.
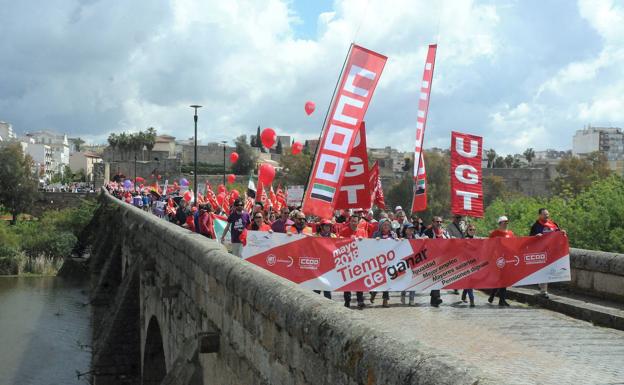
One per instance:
(269, 330)
(598, 273)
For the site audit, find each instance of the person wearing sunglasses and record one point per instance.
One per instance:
(300, 225)
(258, 223)
(281, 223)
(436, 232)
(238, 220)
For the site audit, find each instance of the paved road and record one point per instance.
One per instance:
(517, 345)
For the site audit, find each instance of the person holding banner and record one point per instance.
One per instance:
(502, 232)
(385, 232)
(354, 230)
(409, 232)
(544, 225)
(325, 231)
(436, 232)
(471, 230)
(300, 226)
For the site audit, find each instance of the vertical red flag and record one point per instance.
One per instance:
(377, 195)
(419, 203)
(466, 175)
(355, 190)
(354, 91)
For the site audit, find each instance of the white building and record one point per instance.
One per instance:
(6, 131)
(42, 157)
(607, 140)
(59, 145)
(84, 161)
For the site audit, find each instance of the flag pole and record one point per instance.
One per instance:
(331, 104)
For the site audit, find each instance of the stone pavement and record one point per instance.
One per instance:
(520, 344)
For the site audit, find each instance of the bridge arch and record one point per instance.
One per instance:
(154, 365)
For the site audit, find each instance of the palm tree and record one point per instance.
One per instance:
(491, 155)
(78, 142)
(529, 155)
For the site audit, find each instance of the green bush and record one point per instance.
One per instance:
(12, 260)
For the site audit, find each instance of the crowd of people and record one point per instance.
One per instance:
(358, 224)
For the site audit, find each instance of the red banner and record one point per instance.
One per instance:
(347, 264)
(377, 195)
(419, 202)
(355, 190)
(354, 92)
(466, 175)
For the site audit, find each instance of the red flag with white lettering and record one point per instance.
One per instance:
(466, 175)
(419, 203)
(355, 190)
(354, 92)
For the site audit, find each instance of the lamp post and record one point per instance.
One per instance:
(224, 142)
(195, 106)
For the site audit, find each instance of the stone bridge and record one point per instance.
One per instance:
(172, 307)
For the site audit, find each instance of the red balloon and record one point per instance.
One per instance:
(296, 148)
(231, 178)
(139, 179)
(220, 198)
(266, 173)
(234, 194)
(233, 157)
(310, 107)
(188, 196)
(221, 189)
(268, 137)
(159, 177)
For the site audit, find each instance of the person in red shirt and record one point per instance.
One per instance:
(501, 232)
(258, 224)
(206, 222)
(354, 230)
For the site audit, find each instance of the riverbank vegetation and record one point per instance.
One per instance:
(39, 245)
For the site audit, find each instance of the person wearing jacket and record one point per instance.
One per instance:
(384, 232)
(354, 230)
(544, 225)
(409, 232)
(325, 232)
(206, 222)
(501, 232)
(436, 232)
(470, 234)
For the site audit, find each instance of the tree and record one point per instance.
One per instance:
(499, 162)
(509, 160)
(529, 155)
(577, 174)
(306, 148)
(246, 157)
(19, 183)
(258, 140)
(491, 155)
(493, 188)
(78, 142)
(295, 169)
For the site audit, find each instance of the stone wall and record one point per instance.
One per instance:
(224, 321)
(60, 200)
(528, 181)
(598, 273)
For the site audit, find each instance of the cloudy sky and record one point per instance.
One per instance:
(520, 73)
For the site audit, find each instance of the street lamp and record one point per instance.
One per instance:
(195, 106)
(224, 142)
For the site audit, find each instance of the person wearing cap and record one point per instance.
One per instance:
(325, 232)
(501, 232)
(354, 230)
(384, 232)
(456, 228)
(436, 232)
(409, 232)
(399, 221)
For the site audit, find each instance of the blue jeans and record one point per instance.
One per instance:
(468, 292)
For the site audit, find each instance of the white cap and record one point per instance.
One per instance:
(398, 208)
(502, 219)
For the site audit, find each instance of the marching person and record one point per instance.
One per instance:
(455, 229)
(206, 223)
(544, 225)
(325, 232)
(238, 220)
(299, 226)
(409, 232)
(354, 230)
(436, 232)
(384, 232)
(501, 232)
(470, 234)
(258, 223)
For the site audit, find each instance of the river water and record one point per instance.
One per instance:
(44, 327)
